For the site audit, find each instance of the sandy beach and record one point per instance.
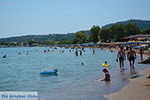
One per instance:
(137, 89)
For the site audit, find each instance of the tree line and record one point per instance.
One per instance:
(114, 33)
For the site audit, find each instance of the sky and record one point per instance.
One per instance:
(38, 17)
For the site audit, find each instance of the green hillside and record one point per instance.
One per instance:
(142, 24)
(50, 37)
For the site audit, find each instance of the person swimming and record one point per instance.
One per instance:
(55, 70)
(105, 64)
(82, 63)
(4, 56)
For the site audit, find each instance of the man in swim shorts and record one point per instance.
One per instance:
(121, 56)
(131, 57)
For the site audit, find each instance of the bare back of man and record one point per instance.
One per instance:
(131, 57)
(121, 56)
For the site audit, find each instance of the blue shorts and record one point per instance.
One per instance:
(121, 59)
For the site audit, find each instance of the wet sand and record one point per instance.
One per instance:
(137, 89)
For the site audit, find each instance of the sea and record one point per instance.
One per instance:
(20, 71)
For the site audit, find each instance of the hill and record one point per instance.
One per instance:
(50, 37)
(142, 24)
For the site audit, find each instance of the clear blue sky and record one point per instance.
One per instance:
(24, 17)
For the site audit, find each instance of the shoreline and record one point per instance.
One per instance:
(137, 89)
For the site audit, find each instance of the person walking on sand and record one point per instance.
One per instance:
(121, 55)
(131, 57)
(149, 50)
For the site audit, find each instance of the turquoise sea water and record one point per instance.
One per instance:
(73, 82)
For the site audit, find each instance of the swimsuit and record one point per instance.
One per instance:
(121, 59)
(131, 58)
(107, 77)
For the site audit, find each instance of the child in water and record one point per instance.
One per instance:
(105, 64)
(107, 75)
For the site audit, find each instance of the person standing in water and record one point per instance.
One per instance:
(76, 52)
(93, 50)
(121, 55)
(80, 52)
(141, 53)
(131, 57)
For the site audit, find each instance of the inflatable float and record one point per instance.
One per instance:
(45, 52)
(105, 65)
(49, 72)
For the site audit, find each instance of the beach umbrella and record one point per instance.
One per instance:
(143, 45)
(138, 47)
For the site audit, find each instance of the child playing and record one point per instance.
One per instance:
(105, 64)
(107, 75)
